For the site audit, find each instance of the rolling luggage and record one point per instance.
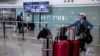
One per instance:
(62, 34)
(61, 37)
(70, 47)
(32, 26)
(74, 48)
(47, 48)
(61, 46)
(73, 44)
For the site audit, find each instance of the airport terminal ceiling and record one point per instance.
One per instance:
(7, 0)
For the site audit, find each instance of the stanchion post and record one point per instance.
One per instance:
(46, 25)
(99, 32)
(99, 28)
(47, 45)
(23, 30)
(40, 21)
(4, 29)
(47, 53)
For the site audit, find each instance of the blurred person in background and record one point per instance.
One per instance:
(28, 21)
(19, 23)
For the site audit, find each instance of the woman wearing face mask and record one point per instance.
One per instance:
(80, 27)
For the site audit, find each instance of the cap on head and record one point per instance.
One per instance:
(82, 14)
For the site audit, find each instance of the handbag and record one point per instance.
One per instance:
(89, 37)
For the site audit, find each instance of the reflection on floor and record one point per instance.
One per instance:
(14, 46)
(18, 47)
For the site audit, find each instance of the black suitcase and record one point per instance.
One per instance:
(31, 26)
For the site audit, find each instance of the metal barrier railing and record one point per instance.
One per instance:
(46, 25)
(22, 22)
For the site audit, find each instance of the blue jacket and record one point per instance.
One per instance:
(86, 23)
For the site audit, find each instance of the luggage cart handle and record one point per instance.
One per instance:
(73, 35)
(58, 33)
(46, 49)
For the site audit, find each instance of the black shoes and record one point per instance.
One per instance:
(83, 50)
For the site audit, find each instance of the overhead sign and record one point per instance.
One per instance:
(36, 7)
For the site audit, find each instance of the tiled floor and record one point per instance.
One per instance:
(14, 46)
(18, 47)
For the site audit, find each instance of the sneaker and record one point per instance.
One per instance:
(84, 50)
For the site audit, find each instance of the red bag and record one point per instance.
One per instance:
(74, 46)
(61, 48)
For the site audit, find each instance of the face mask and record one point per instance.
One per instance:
(80, 17)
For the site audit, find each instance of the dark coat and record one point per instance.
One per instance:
(44, 33)
(19, 24)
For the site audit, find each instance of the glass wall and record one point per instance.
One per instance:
(8, 14)
(26, 43)
(66, 15)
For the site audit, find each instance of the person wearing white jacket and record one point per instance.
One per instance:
(28, 21)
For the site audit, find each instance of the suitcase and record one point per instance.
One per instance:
(32, 26)
(61, 37)
(74, 48)
(74, 45)
(47, 48)
(62, 34)
(61, 48)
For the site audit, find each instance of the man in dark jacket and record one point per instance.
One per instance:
(19, 24)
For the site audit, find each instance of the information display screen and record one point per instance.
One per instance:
(36, 7)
